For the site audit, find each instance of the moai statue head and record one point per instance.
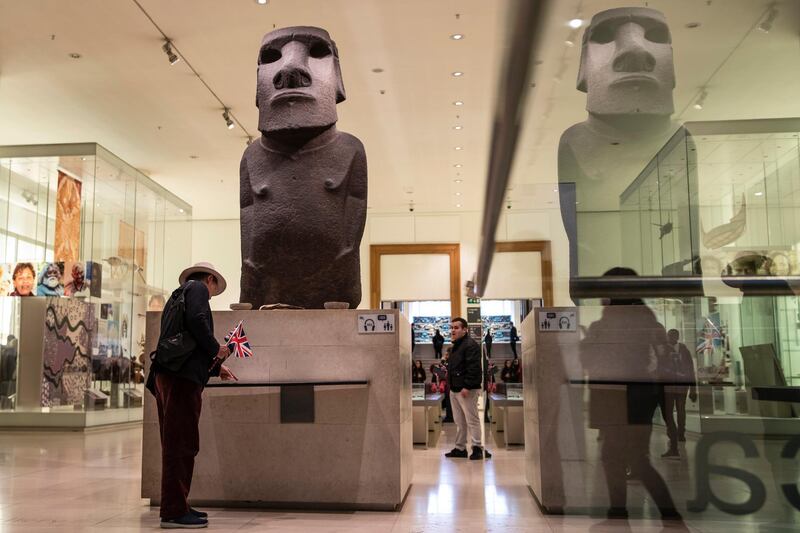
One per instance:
(626, 63)
(299, 80)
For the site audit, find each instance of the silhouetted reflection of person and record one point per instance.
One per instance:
(617, 355)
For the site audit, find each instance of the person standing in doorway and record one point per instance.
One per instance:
(465, 379)
(179, 388)
(438, 344)
(514, 337)
(487, 342)
(676, 370)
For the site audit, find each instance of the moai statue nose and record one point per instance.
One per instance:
(292, 78)
(632, 56)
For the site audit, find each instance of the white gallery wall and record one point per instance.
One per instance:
(514, 275)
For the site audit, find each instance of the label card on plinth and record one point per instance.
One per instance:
(552, 321)
(376, 323)
(473, 315)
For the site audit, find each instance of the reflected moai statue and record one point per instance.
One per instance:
(627, 73)
(303, 184)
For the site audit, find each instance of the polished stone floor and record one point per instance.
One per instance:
(69, 482)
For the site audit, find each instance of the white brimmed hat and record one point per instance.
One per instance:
(206, 268)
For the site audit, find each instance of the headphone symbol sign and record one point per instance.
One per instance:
(369, 325)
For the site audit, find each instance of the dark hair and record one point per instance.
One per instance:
(200, 276)
(674, 332)
(22, 266)
(460, 321)
(623, 271)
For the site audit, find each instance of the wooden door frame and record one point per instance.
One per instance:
(544, 248)
(376, 251)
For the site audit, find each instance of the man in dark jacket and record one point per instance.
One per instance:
(514, 337)
(438, 344)
(487, 341)
(179, 395)
(465, 377)
(676, 371)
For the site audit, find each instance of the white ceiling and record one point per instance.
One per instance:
(123, 94)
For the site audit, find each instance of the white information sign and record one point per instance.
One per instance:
(550, 321)
(374, 323)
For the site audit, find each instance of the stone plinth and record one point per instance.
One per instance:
(555, 457)
(355, 455)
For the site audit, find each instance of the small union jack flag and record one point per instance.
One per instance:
(237, 342)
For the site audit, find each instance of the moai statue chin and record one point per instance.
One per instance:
(627, 72)
(303, 184)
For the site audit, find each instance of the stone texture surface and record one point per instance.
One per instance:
(358, 452)
(303, 185)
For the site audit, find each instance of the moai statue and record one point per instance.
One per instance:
(627, 73)
(303, 184)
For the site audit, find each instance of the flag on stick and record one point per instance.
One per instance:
(237, 342)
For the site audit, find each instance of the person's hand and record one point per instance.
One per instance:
(464, 393)
(226, 374)
(693, 396)
(223, 353)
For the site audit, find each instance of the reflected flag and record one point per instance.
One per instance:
(237, 342)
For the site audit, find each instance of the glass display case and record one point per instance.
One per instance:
(417, 391)
(99, 243)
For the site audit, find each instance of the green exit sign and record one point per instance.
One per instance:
(475, 301)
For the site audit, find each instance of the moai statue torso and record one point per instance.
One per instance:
(303, 183)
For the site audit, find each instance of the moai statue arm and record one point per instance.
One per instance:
(246, 224)
(356, 208)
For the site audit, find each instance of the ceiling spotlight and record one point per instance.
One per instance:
(769, 19)
(262, 2)
(457, 74)
(181, 210)
(458, 181)
(759, 193)
(575, 23)
(171, 55)
(457, 36)
(458, 205)
(458, 102)
(701, 100)
(458, 194)
(457, 127)
(227, 116)
(458, 148)
(457, 165)
(75, 55)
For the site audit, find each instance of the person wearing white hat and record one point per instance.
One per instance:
(178, 383)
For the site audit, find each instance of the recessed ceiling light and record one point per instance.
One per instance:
(458, 205)
(75, 55)
(568, 42)
(458, 102)
(759, 193)
(458, 181)
(457, 36)
(458, 148)
(377, 70)
(457, 127)
(457, 165)
(693, 25)
(575, 23)
(97, 205)
(457, 73)
(262, 2)
(458, 194)
(181, 210)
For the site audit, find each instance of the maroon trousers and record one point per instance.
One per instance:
(179, 402)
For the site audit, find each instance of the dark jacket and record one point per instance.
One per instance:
(618, 355)
(675, 365)
(464, 365)
(514, 337)
(418, 375)
(438, 341)
(200, 324)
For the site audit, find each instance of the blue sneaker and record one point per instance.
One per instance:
(187, 521)
(198, 514)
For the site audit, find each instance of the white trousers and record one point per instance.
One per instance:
(465, 414)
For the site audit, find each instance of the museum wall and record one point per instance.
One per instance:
(512, 276)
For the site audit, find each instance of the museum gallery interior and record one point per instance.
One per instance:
(410, 266)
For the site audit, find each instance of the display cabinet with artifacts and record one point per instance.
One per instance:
(99, 242)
